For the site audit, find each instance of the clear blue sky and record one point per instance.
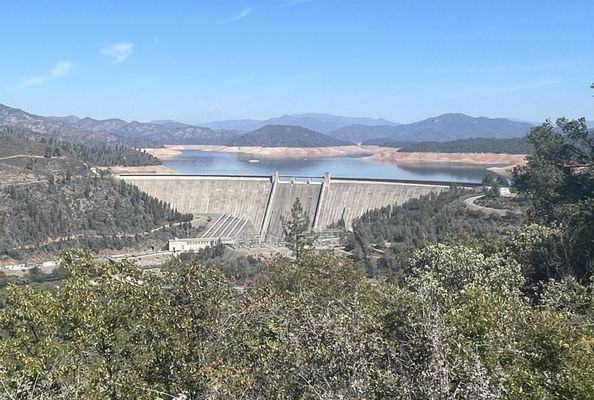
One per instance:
(205, 60)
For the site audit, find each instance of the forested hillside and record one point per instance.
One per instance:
(285, 136)
(51, 200)
(473, 145)
(112, 130)
(384, 239)
(89, 211)
(101, 155)
(360, 133)
(16, 141)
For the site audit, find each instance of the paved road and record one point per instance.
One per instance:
(470, 203)
(144, 259)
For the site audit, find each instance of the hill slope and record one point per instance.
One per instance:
(18, 141)
(285, 136)
(51, 127)
(49, 202)
(143, 133)
(137, 133)
(442, 128)
(113, 130)
(91, 124)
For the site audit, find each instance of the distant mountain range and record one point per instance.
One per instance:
(308, 129)
(137, 134)
(48, 126)
(285, 136)
(169, 123)
(441, 128)
(323, 123)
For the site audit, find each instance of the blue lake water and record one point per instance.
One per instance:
(221, 163)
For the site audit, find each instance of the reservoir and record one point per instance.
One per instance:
(223, 163)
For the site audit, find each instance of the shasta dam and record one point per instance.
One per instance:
(263, 201)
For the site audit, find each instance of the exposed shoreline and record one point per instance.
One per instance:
(169, 151)
(500, 163)
(447, 159)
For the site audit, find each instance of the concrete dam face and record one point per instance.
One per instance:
(265, 200)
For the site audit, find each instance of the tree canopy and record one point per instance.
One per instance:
(458, 327)
(558, 180)
(296, 232)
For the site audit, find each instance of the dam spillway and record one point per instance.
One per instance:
(265, 200)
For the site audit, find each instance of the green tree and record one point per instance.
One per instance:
(558, 180)
(487, 341)
(296, 231)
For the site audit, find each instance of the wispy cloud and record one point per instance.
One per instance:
(33, 81)
(242, 14)
(519, 88)
(502, 90)
(62, 68)
(118, 52)
(292, 3)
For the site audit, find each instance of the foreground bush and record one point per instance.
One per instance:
(317, 328)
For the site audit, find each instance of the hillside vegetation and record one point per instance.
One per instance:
(14, 141)
(383, 239)
(113, 130)
(51, 200)
(285, 136)
(80, 210)
(472, 145)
